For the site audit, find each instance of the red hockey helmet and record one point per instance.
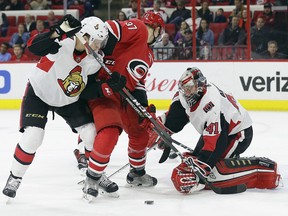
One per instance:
(154, 20)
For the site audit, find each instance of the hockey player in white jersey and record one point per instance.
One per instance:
(56, 84)
(226, 132)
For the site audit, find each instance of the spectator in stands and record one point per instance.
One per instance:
(40, 28)
(205, 40)
(29, 23)
(237, 11)
(18, 54)
(121, 16)
(132, 12)
(147, 3)
(233, 34)
(197, 21)
(51, 19)
(21, 37)
(164, 49)
(87, 4)
(243, 20)
(268, 15)
(272, 51)
(39, 5)
(204, 12)
(180, 14)
(219, 17)
(4, 54)
(185, 48)
(157, 9)
(180, 35)
(3, 5)
(15, 5)
(260, 35)
(4, 24)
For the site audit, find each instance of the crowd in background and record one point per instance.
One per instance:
(219, 36)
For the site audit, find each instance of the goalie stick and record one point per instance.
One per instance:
(142, 112)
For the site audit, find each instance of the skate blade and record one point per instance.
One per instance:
(88, 198)
(104, 193)
(82, 182)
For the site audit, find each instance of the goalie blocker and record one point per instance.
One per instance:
(255, 172)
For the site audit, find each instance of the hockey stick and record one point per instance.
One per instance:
(142, 112)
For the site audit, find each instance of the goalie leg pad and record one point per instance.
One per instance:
(255, 172)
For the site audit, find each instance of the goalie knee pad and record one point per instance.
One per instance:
(255, 172)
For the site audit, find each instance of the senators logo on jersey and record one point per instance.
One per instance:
(73, 84)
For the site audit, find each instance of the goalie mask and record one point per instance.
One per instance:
(95, 29)
(192, 85)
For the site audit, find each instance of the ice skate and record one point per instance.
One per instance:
(139, 178)
(90, 189)
(11, 186)
(82, 162)
(103, 185)
(107, 187)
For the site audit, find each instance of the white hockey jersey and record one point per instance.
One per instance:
(58, 79)
(206, 115)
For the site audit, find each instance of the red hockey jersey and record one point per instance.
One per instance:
(130, 55)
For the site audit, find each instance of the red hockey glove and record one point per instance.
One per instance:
(145, 123)
(114, 84)
(193, 162)
(185, 180)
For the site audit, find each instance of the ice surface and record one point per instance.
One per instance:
(50, 188)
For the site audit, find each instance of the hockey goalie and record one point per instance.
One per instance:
(225, 129)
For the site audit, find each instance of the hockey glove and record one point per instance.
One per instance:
(68, 26)
(114, 84)
(193, 163)
(145, 123)
(185, 180)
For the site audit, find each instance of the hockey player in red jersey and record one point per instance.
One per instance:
(56, 84)
(226, 132)
(128, 52)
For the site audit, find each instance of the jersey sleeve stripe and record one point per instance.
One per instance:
(114, 28)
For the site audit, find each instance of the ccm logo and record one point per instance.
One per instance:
(5, 81)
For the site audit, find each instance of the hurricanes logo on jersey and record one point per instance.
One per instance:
(73, 84)
(137, 68)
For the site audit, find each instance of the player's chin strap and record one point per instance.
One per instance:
(157, 128)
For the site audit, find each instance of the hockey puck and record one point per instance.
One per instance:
(149, 202)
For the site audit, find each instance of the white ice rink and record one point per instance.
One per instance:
(50, 188)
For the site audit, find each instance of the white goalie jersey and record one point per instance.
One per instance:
(215, 105)
(58, 79)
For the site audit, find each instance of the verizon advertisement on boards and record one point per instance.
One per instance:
(246, 80)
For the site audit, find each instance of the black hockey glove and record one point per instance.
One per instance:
(114, 84)
(68, 25)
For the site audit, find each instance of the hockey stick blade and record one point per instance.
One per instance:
(229, 190)
(165, 154)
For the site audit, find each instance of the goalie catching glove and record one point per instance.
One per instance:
(115, 83)
(68, 26)
(183, 176)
